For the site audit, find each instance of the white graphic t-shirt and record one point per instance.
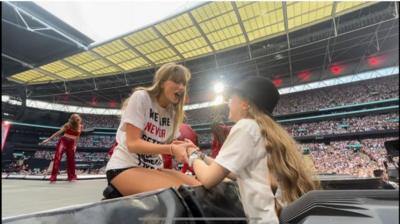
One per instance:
(156, 124)
(243, 153)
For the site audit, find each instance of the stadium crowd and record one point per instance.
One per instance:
(100, 121)
(310, 100)
(389, 121)
(90, 141)
(353, 93)
(367, 123)
(79, 156)
(356, 158)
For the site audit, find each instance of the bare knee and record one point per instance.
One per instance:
(126, 182)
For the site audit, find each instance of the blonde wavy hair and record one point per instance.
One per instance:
(176, 73)
(285, 162)
(74, 121)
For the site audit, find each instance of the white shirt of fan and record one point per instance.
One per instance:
(156, 124)
(243, 153)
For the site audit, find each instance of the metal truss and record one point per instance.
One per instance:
(31, 67)
(20, 12)
(222, 67)
(322, 83)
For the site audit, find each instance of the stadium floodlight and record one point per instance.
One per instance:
(219, 87)
(4, 98)
(219, 100)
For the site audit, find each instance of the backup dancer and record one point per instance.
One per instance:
(67, 143)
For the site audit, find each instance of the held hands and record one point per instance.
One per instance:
(182, 149)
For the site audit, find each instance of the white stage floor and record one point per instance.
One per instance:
(20, 197)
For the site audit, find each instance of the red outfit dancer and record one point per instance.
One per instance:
(219, 132)
(67, 143)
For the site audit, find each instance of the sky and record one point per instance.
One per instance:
(105, 20)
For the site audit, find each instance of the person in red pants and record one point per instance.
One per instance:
(67, 143)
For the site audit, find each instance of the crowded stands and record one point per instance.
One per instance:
(311, 100)
(353, 93)
(91, 141)
(98, 121)
(346, 125)
(353, 157)
(357, 158)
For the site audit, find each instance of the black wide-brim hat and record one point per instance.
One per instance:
(259, 90)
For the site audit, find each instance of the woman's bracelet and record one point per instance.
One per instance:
(195, 155)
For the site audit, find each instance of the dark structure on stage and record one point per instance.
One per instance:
(345, 182)
(344, 206)
(198, 205)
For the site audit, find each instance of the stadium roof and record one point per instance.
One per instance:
(32, 37)
(207, 29)
(102, 21)
(323, 50)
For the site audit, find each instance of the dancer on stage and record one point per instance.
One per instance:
(257, 153)
(67, 143)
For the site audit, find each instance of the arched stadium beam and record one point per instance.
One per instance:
(334, 17)
(110, 63)
(126, 44)
(285, 20)
(246, 37)
(303, 45)
(32, 67)
(162, 37)
(194, 21)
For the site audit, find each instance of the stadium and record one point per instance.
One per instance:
(335, 65)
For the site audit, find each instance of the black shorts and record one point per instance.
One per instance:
(110, 174)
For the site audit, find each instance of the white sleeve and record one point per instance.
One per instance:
(135, 111)
(239, 149)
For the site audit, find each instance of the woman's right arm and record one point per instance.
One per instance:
(59, 132)
(209, 160)
(136, 144)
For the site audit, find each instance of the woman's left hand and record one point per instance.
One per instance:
(179, 151)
